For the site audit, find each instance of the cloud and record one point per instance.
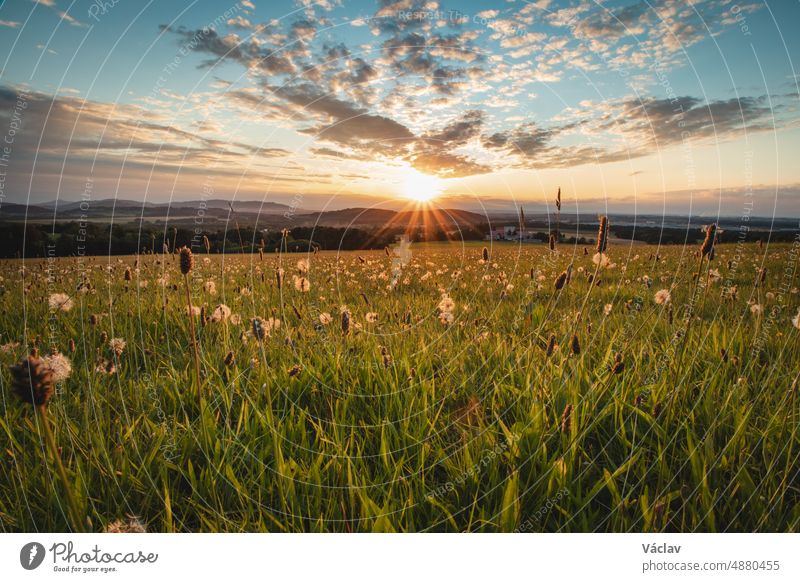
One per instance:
(61, 14)
(664, 122)
(249, 53)
(612, 24)
(641, 126)
(64, 137)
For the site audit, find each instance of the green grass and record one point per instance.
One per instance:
(461, 431)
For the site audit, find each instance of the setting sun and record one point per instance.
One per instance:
(420, 187)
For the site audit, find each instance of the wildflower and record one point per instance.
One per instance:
(221, 313)
(325, 318)
(9, 348)
(756, 309)
(60, 301)
(210, 287)
(372, 317)
(133, 525)
(607, 309)
(303, 266)
(446, 304)
(446, 317)
(294, 371)
(117, 345)
(279, 278)
(600, 259)
(796, 320)
(663, 296)
(302, 284)
(193, 310)
(59, 365)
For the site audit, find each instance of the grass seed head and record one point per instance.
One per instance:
(561, 280)
(708, 242)
(602, 235)
(551, 345)
(566, 420)
(618, 366)
(32, 381)
(186, 260)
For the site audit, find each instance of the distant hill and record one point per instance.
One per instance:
(215, 214)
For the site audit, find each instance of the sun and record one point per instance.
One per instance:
(420, 187)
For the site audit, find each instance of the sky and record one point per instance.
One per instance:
(657, 106)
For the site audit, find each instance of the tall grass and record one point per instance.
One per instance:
(406, 422)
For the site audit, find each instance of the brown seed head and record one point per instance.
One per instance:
(561, 280)
(32, 381)
(566, 420)
(575, 345)
(708, 243)
(602, 235)
(345, 322)
(186, 260)
(551, 345)
(619, 366)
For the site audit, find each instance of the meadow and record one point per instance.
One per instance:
(440, 387)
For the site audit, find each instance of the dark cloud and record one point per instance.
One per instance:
(527, 140)
(665, 122)
(607, 23)
(268, 59)
(459, 131)
(643, 125)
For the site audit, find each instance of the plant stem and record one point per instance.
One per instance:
(194, 341)
(72, 505)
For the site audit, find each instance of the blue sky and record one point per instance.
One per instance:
(627, 106)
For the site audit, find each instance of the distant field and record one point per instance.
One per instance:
(414, 389)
